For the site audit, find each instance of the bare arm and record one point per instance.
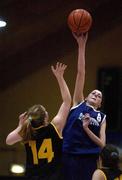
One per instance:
(101, 140)
(60, 119)
(14, 137)
(80, 78)
(98, 175)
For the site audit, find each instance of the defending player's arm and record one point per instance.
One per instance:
(80, 78)
(60, 119)
(14, 137)
(100, 141)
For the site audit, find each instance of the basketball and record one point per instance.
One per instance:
(79, 21)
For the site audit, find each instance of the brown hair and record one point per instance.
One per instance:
(35, 117)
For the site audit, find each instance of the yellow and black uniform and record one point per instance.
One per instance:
(112, 174)
(44, 154)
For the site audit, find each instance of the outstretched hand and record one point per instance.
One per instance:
(81, 38)
(59, 69)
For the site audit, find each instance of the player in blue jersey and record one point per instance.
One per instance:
(109, 164)
(42, 138)
(84, 133)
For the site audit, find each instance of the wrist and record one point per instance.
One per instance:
(85, 128)
(19, 126)
(81, 46)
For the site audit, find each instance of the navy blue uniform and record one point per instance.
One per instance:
(77, 146)
(44, 153)
(112, 174)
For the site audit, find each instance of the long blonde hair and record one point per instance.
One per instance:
(36, 117)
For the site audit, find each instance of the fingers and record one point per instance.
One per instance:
(86, 120)
(81, 36)
(52, 67)
(87, 116)
(23, 115)
(59, 67)
(75, 35)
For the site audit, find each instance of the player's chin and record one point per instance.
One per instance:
(92, 102)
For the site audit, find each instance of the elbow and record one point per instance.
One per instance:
(102, 145)
(8, 142)
(69, 103)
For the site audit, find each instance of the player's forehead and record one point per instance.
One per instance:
(96, 91)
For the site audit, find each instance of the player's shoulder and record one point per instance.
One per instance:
(55, 129)
(75, 106)
(99, 174)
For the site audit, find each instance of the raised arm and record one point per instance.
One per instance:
(60, 119)
(80, 78)
(14, 137)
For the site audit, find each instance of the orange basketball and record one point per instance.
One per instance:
(79, 21)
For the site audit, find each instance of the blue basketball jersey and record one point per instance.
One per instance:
(75, 139)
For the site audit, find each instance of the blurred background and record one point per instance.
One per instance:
(35, 37)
